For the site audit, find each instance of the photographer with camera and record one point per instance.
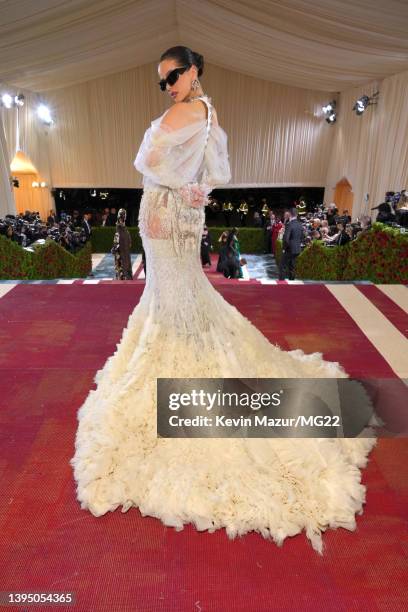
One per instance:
(332, 214)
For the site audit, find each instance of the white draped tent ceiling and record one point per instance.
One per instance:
(327, 45)
(269, 68)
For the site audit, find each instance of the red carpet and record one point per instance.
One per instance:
(53, 338)
(393, 312)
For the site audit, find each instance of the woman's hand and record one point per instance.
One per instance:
(195, 194)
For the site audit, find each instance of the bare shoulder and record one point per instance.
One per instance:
(181, 114)
(201, 109)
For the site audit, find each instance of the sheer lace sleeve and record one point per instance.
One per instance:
(171, 157)
(216, 160)
(176, 156)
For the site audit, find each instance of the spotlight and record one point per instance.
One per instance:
(329, 107)
(362, 103)
(19, 100)
(330, 111)
(44, 114)
(7, 100)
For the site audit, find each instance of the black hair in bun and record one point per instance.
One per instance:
(199, 62)
(185, 57)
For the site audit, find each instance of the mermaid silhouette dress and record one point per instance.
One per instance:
(183, 328)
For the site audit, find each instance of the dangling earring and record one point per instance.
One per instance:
(195, 84)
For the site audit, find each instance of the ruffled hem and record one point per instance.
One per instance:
(276, 487)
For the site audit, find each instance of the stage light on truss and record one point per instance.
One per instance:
(329, 110)
(7, 100)
(365, 101)
(19, 100)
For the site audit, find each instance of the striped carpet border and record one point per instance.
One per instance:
(140, 277)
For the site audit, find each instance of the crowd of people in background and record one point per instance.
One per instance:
(70, 229)
(329, 226)
(296, 228)
(27, 229)
(394, 209)
(324, 223)
(251, 213)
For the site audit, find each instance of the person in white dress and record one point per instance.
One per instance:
(183, 328)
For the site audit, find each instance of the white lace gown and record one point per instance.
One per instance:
(182, 327)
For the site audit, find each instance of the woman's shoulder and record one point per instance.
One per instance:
(201, 107)
(184, 113)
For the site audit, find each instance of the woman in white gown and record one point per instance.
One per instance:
(182, 327)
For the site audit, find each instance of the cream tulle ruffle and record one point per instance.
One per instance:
(277, 487)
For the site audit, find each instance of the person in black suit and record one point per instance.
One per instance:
(86, 226)
(291, 245)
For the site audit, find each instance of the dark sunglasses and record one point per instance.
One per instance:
(172, 77)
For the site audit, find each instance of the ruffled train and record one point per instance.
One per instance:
(277, 487)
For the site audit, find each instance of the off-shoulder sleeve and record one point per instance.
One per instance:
(171, 157)
(216, 159)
